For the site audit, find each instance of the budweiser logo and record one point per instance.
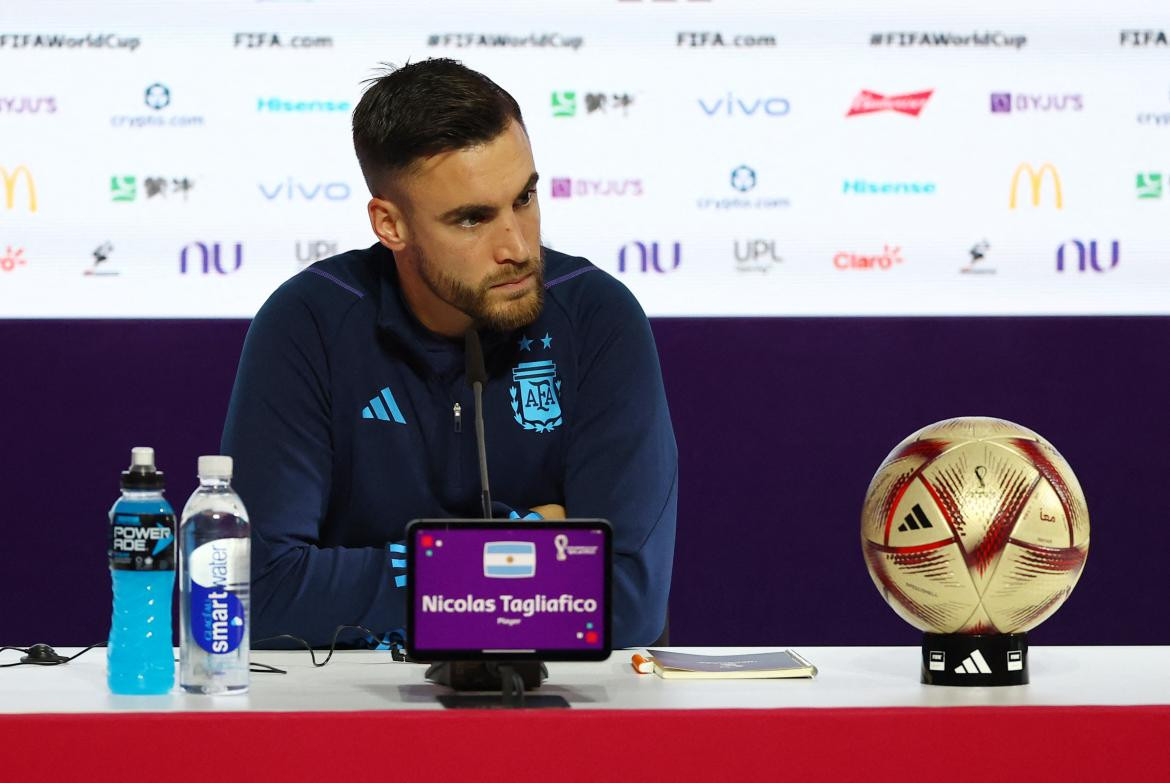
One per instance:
(867, 102)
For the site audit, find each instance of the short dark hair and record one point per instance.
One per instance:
(422, 109)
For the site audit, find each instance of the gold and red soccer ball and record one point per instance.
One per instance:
(975, 526)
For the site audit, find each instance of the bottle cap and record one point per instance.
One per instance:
(215, 466)
(142, 473)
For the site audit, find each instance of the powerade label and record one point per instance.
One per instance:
(219, 570)
(142, 542)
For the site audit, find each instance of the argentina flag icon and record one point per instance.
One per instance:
(509, 559)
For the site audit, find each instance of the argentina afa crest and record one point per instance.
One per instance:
(536, 396)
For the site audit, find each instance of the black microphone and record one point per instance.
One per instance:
(476, 378)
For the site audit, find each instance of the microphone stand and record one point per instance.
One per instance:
(510, 678)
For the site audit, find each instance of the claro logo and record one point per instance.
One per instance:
(1036, 180)
(10, 179)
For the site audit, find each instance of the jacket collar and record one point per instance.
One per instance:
(420, 346)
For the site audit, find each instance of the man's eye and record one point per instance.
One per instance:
(526, 199)
(469, 222)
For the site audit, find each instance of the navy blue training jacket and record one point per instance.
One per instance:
(343, 428)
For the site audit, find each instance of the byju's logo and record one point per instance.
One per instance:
(1149, 185)
(567, 187)
(12, 259)
(731, 105)
(1086, 255)
(1036, 181)
(209, 258)
(24, 104)
(889, 258)
(1144, 38)
(910, 103)
(10, 178)
(867, 187)
(564, 103)
(295, 190)
(312, 251)
(649, 257)
(975, 266)
(1004, 102)
(756, 255)
(101, 255)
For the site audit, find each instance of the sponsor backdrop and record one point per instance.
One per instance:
(725, 158)
(802, 197)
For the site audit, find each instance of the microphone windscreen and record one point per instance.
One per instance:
(473, 351)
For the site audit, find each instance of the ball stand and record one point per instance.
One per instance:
(975, 659)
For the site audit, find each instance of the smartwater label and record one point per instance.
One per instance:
(219, 571)
(142, 542)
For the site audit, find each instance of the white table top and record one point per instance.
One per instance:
(849, 677)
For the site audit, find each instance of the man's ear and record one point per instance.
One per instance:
(386, 219)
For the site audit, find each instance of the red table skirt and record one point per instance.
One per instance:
(611, 746)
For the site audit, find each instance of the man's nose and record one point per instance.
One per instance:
(511, 246)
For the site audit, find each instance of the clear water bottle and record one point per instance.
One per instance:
(214, 580)
(139, 657)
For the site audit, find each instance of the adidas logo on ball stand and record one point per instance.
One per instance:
(975, 659)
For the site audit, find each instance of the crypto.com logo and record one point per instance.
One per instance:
(30, 188)
(1036, 180)
(910, 103)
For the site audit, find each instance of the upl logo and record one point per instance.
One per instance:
(1036, 181)
(732, 106)
(649, 257)
(11, 178)
(209, 258)
(1086, 255)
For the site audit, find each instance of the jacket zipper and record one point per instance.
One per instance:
(458, 417)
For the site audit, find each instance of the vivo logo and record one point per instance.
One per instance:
(209, 257)
(649, 257)
(731, 106)
(292, 190)
(1087, 256)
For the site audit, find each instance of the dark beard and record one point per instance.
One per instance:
(477, 301)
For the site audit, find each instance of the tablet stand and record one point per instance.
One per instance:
(510, 678)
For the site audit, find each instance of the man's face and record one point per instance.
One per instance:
(474, 234)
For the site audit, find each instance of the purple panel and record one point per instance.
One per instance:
(780, 425)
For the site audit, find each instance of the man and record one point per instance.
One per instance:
(351, 413)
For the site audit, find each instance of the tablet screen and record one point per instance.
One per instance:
(508, 589)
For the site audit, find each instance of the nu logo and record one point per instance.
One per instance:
(916, 520)
(1036, 179)
(30, 187)
(648, 256)
(1087, 256)
(387, 412)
